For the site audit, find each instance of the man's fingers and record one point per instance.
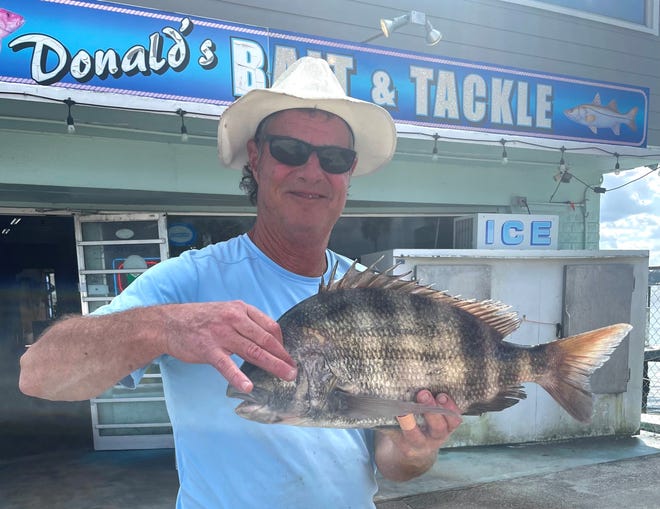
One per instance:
(446, 402)
(265, 359)
(437, 426)
(232, 373)
(266, 333)
(257, 339)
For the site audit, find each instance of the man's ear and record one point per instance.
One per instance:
(253, 156)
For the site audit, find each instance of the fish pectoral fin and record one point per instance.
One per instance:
(504, 399)
(362, 405)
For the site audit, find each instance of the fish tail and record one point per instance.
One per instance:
(631, 118)
(571, 361)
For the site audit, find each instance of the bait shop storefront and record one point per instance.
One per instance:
(108, 165)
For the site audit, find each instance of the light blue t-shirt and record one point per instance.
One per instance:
(225, 461)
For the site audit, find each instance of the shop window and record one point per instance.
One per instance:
(196, 232)
(352, 236)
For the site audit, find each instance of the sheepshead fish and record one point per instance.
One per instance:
(9, 22)
(367, 343)
(596, 116)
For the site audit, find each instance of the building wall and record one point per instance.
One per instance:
(489, 31)
(425, 186)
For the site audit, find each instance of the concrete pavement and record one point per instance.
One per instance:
(601, 472)
(631, 483)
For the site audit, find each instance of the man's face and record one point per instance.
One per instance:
(301, 198)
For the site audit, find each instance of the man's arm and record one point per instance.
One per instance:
(407, 453)
(80, 357)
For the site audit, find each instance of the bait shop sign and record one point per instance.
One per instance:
(109, 49)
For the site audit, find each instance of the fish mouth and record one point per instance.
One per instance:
(254, 404)
(257, 396)
(255, 407)
(256, 412)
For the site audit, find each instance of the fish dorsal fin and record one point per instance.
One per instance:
(612, 106)
(495, 314)
(597, 99)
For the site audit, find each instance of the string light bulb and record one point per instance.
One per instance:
(434, 152)
(70, 125)
(617, 166)
(184, 130)
(505, 156)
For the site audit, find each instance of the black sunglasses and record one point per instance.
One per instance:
(294, 152)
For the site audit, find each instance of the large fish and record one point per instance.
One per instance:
(596, 116)
(367, 343)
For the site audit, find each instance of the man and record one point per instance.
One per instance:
(199, 314)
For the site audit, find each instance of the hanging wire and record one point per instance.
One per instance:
(633, 180)
(593, 148)
(71, 127)
(564, 176)
(555, 191)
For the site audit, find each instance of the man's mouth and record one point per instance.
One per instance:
(307, 196)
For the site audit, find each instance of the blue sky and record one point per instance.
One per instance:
(630, 216)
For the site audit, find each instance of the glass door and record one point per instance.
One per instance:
(113, 250)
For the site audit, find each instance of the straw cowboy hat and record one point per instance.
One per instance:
(308, 83)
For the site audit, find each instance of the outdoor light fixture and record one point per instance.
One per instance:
(562, 162)
(433, 36)
(505, 156)
(563, 176)
(434, 152)
(70, 126)
(617, 166)
(388, 26)
(184, 130)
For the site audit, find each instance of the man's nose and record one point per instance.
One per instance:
(312, 167)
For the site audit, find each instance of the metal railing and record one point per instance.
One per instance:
(651, 380)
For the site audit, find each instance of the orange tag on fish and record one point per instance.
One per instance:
(407, 422)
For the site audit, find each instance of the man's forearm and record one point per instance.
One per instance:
(80, 357)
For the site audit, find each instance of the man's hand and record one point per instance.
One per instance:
(412, 450)
(211, 332)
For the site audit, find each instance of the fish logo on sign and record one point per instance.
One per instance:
(9, 22)
(596, 116)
